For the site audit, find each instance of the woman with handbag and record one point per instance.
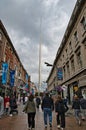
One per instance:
(60, 109)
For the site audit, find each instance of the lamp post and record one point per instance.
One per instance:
(50, 65)
(59, 76)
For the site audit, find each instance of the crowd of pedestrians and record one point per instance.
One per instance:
(8, 105)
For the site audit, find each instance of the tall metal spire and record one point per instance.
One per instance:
(40, 55)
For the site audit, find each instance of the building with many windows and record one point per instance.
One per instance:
(69, 67)
(9, 57)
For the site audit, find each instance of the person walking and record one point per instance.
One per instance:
(13, 105)
(1, 106)
(6, 104)
(83, 108)
(76, 107)
(23, 98)
(60, 109)
(38, 101)
(30, 109)
(47, 107)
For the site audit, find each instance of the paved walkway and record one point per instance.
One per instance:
(19, 122)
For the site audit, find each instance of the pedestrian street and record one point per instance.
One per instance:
(19, 122)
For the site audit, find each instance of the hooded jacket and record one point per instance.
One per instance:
(30, 107)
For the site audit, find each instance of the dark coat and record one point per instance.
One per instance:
(47, 102)
(60, 107)
(13, 103)
(38, 101)
(76, 104)
(83, 103)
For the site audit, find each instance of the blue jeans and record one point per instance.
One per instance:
(47, 114)
(61, 119)
(77, 114)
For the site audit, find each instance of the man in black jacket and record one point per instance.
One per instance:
(47, 107)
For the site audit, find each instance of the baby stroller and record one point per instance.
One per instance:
(13, 110)
(13, 106)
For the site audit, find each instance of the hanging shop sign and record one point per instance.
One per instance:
(60, 74)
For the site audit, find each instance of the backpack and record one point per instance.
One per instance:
(83, 103)
(38, 100)
(61, 107)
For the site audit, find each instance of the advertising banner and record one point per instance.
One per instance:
(4, 73)
(27, 77)
(26, 86)
(12, 78)
(59, 74)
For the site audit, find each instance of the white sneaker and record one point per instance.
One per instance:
(45, 126)
(11, 115)
(79, 123)
(62, 128)
(58, 126)
(28, 128)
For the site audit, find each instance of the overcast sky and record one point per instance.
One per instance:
(21, 19)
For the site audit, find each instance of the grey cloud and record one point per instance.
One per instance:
(22, 21)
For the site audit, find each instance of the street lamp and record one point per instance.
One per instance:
(48, 64)
(59, 75)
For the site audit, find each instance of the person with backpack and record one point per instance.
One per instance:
(60, 110)
(47, 107)
(38, 101)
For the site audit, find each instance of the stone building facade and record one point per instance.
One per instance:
(70, 61)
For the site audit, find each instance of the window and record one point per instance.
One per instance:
(64, 72)
(72, 64)
(76, 36)
(70, 46)
(68, 70)
(83, 22)
(79, 60)
(0, 36)
(66, 53)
